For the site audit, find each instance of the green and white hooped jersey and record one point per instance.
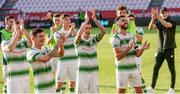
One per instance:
(44, 79)
(17, 64)
(127, 63)
(70, 55)
(87, 54)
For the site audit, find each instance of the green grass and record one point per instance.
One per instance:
(107, 66)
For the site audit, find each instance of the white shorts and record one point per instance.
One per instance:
(66, 71)
(4, 69)
(18, 84)
(133, 78)
(87, 83)
(138, 62)
(54, 63)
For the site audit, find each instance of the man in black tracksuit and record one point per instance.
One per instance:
(166, 27)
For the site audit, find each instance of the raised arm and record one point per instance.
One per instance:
(153, 19)
(43, 58)
(52, 30)
(58, 51)
(82, 28)
(16, 34)
(72, 30)
(102, 28)
(164, 22)
(25, 32)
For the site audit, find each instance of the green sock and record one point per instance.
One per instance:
(143, 85)
(71, 90)
(4, 89)
(63, 89)
(58, 90)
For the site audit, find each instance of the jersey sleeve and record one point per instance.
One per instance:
(77, 43)
(173, 23)
(139, 30)
(115, 41)
(4, 45)
(26, 43)
(138, 45)
(97, 38)
(56, 35)
(47, 50)
(32, 55)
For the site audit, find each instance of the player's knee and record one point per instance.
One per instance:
(120, 90)
(72, 83)
(138, 90)
(59, 85)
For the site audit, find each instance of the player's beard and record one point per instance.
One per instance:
(87, 33)
(124, 26)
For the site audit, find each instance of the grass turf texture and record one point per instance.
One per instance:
(107, 66)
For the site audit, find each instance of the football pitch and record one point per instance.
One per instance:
(107, 81)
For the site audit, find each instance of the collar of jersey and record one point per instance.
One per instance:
(86, 39)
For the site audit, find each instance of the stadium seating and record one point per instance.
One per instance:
(171, 4)
(2, 2)
(38, 6)
(174, 6)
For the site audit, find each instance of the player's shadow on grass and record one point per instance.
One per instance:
(158, 89)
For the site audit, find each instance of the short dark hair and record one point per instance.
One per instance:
(35, 31)
(64, 16)
(88, 23)
(117, 18)
(131, 15)
(163, 9)
(57, 15)
(122, 7)
(17, 22)
(8, 18)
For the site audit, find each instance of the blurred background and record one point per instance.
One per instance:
(35, 12)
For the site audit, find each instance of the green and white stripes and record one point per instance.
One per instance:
(17, 64)
(70, 55)
(87, 54)
(128, 62)
(44, 79)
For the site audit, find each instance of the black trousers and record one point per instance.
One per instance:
(159, 58)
